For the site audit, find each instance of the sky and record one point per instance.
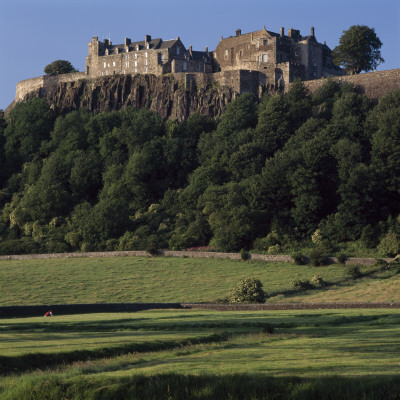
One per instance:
(36, 32)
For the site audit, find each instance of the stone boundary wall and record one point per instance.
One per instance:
(184, 254)
(42, 82)
(373, 84)
(289, 306)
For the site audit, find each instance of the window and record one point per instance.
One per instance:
(145, 69)
(241, 53)
(226, 54)
(135, 56)
(106, 72)
(184, 66)
(135, 70)
(127, 49)
(145, 62)
(113, 63)
(127, 64)
(105, 65)
(265, 42)
(178, 50)
(145, 54)
(108, 65)
(198, 67)
(264, 57)
(135, 63)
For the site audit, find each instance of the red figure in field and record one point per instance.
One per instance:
(49, 314)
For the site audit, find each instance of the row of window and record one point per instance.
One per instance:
(106, 73)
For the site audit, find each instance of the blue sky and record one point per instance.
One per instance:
(36, 32)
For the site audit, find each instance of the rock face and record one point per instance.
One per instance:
(167, 96)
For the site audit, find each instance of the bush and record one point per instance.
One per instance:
(299, 284)
(389, 245)
(382, 264)
(248, 290)
(299, 259)
(317, 281)
(341, 257)
(275, 249)
(244, 255)
(353, 272)
(318, 257)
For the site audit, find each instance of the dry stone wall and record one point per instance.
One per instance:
(184, 254)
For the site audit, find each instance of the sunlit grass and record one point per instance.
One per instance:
(164, 279)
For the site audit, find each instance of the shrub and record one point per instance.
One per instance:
(299, 259)
(317, 281)
(353, 272)
(274, 249)
(382, 264)
(341, 257)
(318, 257)
(248, 290)
(389, 245)
(244, 255)
(299, 284)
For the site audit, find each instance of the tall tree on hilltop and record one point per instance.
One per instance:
(59, 67)
(358, 50)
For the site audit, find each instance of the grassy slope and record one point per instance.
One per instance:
(135, 279)
(312, 344)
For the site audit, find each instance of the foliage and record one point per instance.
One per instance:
(266, 176)
(353, 272)
(341, 257)
(358, 50)
(318, 256)
(382, 264)
(248, 291)
(389, 245)
(301, 284)
(59, 67)
(299, 259)
(244, 255)
(317, 281)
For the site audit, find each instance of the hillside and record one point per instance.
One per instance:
(296, 170)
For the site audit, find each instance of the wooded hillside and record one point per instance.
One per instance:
(268, 176)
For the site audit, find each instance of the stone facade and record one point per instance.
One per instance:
(281, 58)
(150, 56)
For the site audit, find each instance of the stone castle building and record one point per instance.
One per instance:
(276, 59)
(150, 56)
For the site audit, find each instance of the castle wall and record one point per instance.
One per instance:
(373, 84)
(43, 82)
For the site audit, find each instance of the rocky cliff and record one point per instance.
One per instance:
(169, 96)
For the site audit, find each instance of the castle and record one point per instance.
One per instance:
(276, 59)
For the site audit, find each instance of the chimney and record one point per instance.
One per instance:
(190, 50)
(312, 31)
(206, 49)
(238, 32)
(127, 41)
(106, 42)
(282, 32)
(147, 39)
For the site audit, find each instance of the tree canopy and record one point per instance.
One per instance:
(265, 176)
(59, 67)
(358, 50)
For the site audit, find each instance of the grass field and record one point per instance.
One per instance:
(201, 354)
(163, 279)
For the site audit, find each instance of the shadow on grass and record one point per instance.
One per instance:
(208, 387)
(27, 362)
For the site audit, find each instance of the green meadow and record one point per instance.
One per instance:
(172, 279)
(196, 354)
(201, 354)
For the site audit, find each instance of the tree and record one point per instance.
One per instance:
(358, 50)
(59, 67)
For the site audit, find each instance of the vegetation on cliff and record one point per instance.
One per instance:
(264, 176)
